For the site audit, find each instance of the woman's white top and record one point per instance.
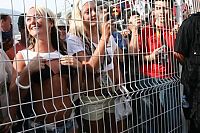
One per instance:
(75, 44)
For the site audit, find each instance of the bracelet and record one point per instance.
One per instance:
(19, 85)
(105, 40)
(102, 39)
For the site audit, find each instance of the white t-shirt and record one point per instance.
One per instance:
(75, 45)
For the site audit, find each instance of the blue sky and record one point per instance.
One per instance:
(23, 5)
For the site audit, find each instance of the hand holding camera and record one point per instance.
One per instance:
(106, 28)
(135, 22)
(156, 53)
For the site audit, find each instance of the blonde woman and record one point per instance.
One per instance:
(46, 75)
(95, 51)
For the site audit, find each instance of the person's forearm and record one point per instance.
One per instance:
(97, 57)
(117, 72)
(133, 46)
(13, 100)
(24, 77)
(18, 93)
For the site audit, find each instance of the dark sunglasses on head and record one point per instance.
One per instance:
(62, 28)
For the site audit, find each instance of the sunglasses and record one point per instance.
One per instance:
(62, 28)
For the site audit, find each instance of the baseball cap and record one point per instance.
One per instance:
(60, 23)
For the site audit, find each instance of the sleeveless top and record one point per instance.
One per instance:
(46, 73)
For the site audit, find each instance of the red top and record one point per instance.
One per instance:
(151, 41)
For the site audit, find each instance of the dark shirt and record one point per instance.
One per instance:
(188, 37)
(7, 39)
(7, 35)
(188, 44)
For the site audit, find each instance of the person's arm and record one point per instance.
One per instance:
(133, 46)
(94, 62)
(120, 54)
(13, 93)
(117, 72)
(153, 55)
(135, 23)
(77, 47)
(20, 82)
(76, 78)
(183, 41)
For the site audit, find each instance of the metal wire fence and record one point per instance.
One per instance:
(92, 66)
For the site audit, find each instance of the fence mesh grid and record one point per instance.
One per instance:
(91, 66)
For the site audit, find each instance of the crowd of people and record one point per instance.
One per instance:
(99, 70)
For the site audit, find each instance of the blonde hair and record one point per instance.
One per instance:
(48, 14)
(76, 24)
(68, 17)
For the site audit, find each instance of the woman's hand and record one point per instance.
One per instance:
(154, 54)
(134, 23)
(106, 28)
(36, 64)
(125, 32)
(68, 60)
